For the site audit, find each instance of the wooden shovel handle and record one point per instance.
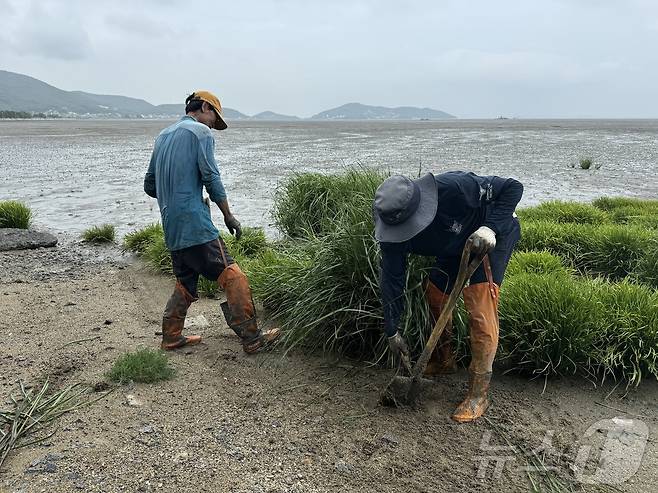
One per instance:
(466, 270)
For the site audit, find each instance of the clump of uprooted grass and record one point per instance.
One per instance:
(14, 214)
(100, 234)
(144, 365)
(312, 204)
(34, 410)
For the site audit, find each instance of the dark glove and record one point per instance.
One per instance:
(483, 240)
(233, 226)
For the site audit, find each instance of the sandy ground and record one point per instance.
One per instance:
(273, 422)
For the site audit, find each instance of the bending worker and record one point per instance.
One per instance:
(182, 163)
(435, 216)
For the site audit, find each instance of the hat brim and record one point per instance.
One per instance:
(419, 220)
(221, 123)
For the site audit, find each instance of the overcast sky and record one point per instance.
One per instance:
(471, 58)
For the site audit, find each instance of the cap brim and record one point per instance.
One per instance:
(423, 217)
(221, 123)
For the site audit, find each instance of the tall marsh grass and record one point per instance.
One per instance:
(15, 214)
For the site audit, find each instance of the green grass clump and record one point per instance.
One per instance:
(564, 212)
(139, 240)
(251, 244)
(540, 262)
(557, 325)
(612, 250)
(311, 204)
(99, 234)
(623, 210)
(14, 214)
(585, 163)
(157, 255)
(144, 366)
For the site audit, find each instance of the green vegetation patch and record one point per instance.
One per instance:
(144, 366)
(321, 283)
(14, 214)
(564, 212)
(312, 204)
(139, 240)
(100, 234)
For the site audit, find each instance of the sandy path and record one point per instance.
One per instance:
(269, 423)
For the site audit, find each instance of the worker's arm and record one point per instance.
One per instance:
(504, 196)
(149, 178)
(210, 173)
(213, 182)
(392, 282)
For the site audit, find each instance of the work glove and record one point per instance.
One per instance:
(233, 226)
(483, 240)
(398, 345)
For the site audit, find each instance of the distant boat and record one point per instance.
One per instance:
(502, 118)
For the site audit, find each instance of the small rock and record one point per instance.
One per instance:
(198, 322)
(147, 429)
(70, 303)
(391, 440)
(343, 467)
(109, 321)
(133, 401)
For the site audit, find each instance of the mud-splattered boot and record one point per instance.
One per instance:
(442, 361)
(240, 313)
(173, 320)
(481, 301)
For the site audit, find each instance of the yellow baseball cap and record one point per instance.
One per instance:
(213, 101)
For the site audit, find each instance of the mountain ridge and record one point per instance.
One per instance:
(20, 92)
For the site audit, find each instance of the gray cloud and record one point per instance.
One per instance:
(49, 31)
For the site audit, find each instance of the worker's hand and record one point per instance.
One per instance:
(483, 240)
(398, 345)
(233, 226)
(206, 200)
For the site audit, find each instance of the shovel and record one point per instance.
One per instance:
(405, 391)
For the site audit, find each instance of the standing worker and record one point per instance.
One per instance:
(435, 216)
(182, 163)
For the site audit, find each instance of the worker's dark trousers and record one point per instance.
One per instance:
(205, 259)
(212, 261)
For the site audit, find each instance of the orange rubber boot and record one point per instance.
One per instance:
(173, 320)
(442, 361)
(481, 301)
(240, 312)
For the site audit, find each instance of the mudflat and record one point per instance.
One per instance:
(275, 422)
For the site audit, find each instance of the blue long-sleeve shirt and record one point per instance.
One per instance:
(465, 202)
(182, 163)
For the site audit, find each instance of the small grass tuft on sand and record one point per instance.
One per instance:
(100, 234)
(14, 214)
(144, 366)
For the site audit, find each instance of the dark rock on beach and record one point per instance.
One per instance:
(24, 239)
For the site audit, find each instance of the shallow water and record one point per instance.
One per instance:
(79, 173)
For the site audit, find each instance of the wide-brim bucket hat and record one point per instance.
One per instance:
(403, 207)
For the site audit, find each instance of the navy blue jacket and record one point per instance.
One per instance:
(466, 202)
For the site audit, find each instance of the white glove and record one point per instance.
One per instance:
(483, 240)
